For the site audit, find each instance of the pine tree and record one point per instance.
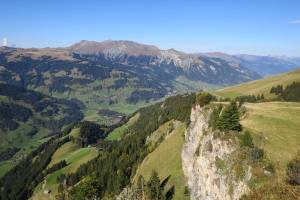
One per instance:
(204, 98)
(214, 117)
(230, 119)
(272, 90)
(154, 191)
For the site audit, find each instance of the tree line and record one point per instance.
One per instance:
(290, 93)
(20, 182)
(117, 162)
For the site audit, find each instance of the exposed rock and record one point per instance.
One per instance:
(200, 153)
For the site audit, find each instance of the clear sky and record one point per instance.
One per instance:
(265, 27)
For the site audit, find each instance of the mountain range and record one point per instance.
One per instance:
(118, 73)
(95, 119)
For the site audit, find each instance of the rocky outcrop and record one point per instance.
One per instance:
(204, 160)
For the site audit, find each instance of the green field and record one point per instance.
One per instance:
(118, 132)
(75, 133)
(166, 160)
(62, 152)
(262, 86)
(19, 138)
(74, 156)
(276, 127)
(5, 166)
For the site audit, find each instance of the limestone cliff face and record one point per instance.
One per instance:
(204, 162)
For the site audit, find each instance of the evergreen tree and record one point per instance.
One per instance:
(214, 117)
(291, 92)
(204, 98)
(272, 90)
(87, 190)
(154, 191)
(230, 119)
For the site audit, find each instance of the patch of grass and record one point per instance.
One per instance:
(19, 138)
(262, 86)
(62, 152)
(74, 157)
(74, 160)
(274, 190)
(220, 164)
(276, 128)
(166, 160)
(117, 133)
(159, 135)
(75, 133)
(5, 166)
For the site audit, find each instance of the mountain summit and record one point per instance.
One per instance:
(196, 66)
(112, 47)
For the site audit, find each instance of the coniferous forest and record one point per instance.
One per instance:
(117, 162)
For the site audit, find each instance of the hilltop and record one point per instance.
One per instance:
(262, 86)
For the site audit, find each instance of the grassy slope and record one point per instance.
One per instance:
(74, 157)
(75, 132)
(5, 166)
(22, 136)
(276, 126)
(118, 132)
(20, 139)
(166, 160)
(260, 86)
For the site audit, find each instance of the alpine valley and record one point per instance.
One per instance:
(122, 120)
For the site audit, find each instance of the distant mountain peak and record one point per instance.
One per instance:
(114, 47)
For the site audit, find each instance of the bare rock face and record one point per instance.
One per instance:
(209, 68)
(203, 161)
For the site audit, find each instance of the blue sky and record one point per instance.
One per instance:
(261, 27)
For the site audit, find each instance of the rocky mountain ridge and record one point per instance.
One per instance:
(102, 74)
(124, 52)
(121, 50)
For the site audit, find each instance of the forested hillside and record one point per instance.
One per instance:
(27, 119)
(96, 175)
(146, 148)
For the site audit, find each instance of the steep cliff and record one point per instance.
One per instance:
(207, 162)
